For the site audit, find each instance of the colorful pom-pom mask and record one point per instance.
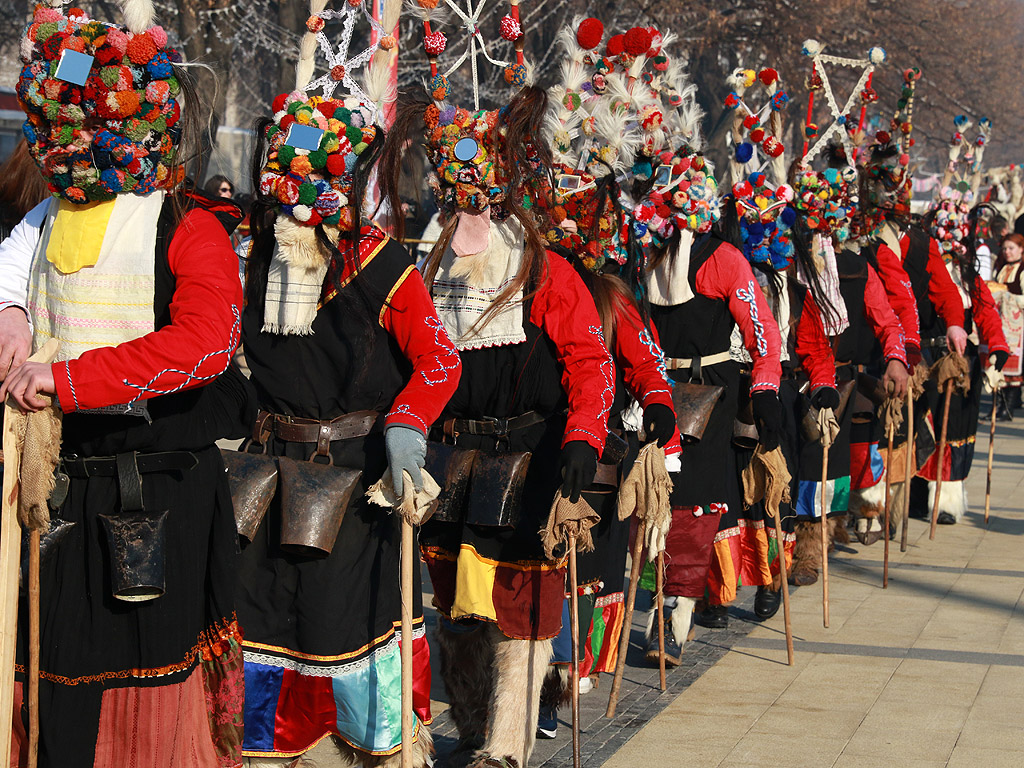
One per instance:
(101, 105)
(766, 220)
(684, 197)
(313, 146)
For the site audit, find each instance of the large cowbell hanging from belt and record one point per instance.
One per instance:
(137, 536)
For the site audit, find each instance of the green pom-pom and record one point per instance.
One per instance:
(130, 183)
(307, 194)
(317, 159)
(174, 85)
(285, 155)
(110, 75)
(344, 115)
(353, 134)
(66, 133)
(45, 31)
(51, 109)
(272, 131)
(137, 130)
(360, 147)
(333, 219)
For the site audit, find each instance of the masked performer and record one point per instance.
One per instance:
(825, 201)
(136, 279)
(533, 401)
(351, 366)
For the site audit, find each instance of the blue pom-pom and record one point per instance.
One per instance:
(788, 216)
(832, 175)
(744, 152)
(159, 67)
(755, 231)
(110, 181)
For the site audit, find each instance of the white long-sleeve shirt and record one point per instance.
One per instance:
(16, 254)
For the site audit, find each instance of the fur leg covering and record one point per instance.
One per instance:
(678, 616)
(519, 670)
(557, 689)
(867, 506)
(467, 658)
(806, 554)
(952, 498)
(422, 749)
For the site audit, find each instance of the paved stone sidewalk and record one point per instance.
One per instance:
(927, 673)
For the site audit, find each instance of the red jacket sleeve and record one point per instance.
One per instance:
(411, 319)
(193, 349)
(812, 346)
(900, 294)
(942, 291)
(884, 322)
(642, 361)
(726, 275)
(564, 308)
(986, 317)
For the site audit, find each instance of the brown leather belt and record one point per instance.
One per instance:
(490, 426)
(293, 429)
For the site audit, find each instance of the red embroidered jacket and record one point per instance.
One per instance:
(727, 275)
(987, 318)
(564, 309)
(194, 348)
(642, 361)
(814, 350)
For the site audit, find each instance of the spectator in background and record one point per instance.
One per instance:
(22, 188)
(1007, 291)
(219, 186)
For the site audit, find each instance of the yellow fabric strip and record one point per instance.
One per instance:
(474, 586)
(77, 235)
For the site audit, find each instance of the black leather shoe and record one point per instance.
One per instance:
(946, 519)
(767, 602)
(713, 617)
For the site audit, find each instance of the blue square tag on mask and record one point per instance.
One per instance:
(74, 67)
(304, 137)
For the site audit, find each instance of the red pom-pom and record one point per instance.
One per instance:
(589, 35)
(327, 108)
(615, 45)
(510, 29)
(767, 75)
(756, 135)
(882, 137)
(750, 121)
(141, 49)
(336, 164)
(742, 189)
(279, 102)
(662, 211)
(637, 41)
(435, 43)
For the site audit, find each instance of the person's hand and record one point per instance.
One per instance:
(579, 464)
(659, 423)
(15, 340)
(825, 397)
(897, 376)
(26, 382)
(999, 359)
(956, 338)
(406, 448)
(768, 414)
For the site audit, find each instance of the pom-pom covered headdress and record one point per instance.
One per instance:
(315, 141)
(757, 130)
(950, 216)
(101, 102)
(766, 217)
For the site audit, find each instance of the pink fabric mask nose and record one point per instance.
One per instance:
(472, 233)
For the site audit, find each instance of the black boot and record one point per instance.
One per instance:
(713, 617)
(766, 602)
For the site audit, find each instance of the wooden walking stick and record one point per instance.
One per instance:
(888, 499)
(660, 586)
(991, 453)
(911, 468)
(940, 455)
(826, 441)
(574, 633)
(10, 565)
(407, 593)
(627, 620)
(785, 588)
(33, 648)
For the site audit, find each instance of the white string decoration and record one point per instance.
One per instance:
(338, 57)
(814, 49)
